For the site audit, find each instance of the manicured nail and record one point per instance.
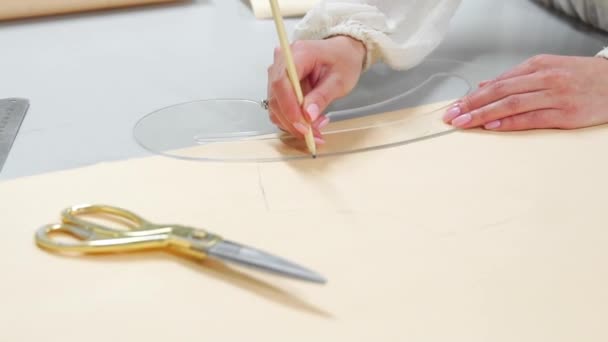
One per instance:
(462, 120)
(319, 141)
(300, 128)
(313, 112)
(323, 123)
(492, 125)
(451, 113)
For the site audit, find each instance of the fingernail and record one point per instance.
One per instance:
(323, 123)
(313, 112)
(451, 113)
(319, 141)
(462, 120)
(300, 128)
(492, 125)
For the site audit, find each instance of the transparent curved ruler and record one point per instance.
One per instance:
(403, 109)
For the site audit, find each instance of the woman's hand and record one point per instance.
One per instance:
(328, 69)
(544, 92)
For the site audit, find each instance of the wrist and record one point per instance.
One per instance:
(353, 44)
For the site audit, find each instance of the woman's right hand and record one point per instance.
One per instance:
(328, 69)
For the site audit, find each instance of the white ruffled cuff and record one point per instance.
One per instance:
(603, 53)
(357, 21)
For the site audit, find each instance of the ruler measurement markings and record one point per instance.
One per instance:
(12, 112)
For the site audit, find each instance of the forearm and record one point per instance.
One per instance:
(591, 12)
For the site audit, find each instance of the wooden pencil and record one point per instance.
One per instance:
(291, 70)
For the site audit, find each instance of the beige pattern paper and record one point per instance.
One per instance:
(472, 236)
(289, 8)
(16, 9)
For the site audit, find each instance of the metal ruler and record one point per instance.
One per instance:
(12, 112)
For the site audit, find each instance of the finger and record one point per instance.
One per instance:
(273, 119)
(494, 92)
(273, 106)
(538, 119)
(308, 56)
(306, 86)
(508, 106)
(276, 121)
(289, 111)
(321, 122)
(317, 126)
(275, 109)
(318, 136)
(287, 107)
(483, 83)
(276, 68)
(282, 88)
(529, 66)
(326, 91)
(536, 63)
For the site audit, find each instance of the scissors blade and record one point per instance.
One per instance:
(248, 256)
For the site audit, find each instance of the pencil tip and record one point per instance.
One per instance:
(314, 156)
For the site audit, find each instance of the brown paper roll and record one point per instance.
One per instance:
(17, 9)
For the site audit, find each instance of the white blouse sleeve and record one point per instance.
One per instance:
(400, 33)
(603, 53)
(591, 12)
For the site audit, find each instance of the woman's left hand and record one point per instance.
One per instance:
(544, 92)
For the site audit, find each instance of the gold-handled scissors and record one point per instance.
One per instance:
(140, 234)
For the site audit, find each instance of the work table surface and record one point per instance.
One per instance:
(90, 77)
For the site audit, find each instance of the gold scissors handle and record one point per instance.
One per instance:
(138, 233)
(89, 242)
(124, 217)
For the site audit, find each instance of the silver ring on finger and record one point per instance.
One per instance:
(265, 104)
